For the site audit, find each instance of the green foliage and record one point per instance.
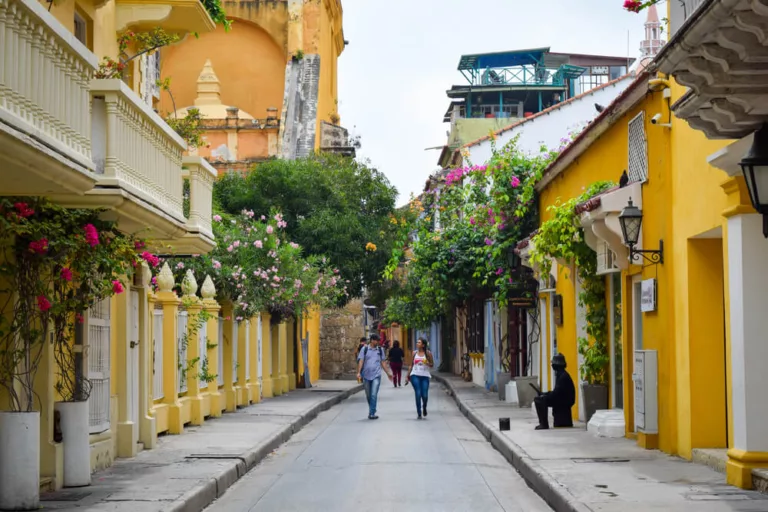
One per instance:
(55, 264)
(216, 11)
(334, 207)
(562, 238)
(454, 240)
(189, 127)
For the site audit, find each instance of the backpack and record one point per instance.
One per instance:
(365, 353)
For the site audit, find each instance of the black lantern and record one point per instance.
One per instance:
(755, 168)
(631, 219)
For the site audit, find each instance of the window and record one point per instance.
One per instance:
(638, 154)
(151, 74)
(99, 335)
(81, 29)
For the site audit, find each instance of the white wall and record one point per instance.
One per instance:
(549, 128)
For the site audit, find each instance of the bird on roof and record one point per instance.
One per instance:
(624, 180)
(599, 107)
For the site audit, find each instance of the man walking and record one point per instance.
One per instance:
(370, 361)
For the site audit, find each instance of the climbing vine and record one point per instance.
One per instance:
(562, 238)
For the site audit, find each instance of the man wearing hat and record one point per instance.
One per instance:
(560, 399)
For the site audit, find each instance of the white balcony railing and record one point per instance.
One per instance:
(134, 149)
(44, 78)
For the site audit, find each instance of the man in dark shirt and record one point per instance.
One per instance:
(560, 399)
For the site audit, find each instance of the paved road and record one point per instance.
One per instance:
(343, 462)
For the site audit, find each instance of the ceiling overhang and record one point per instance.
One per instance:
(721, 54)
(600, 220)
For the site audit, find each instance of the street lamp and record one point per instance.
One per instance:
(755, 168)
(631, 219)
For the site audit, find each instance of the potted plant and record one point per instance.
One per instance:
(594, 373)
(90, 257)
(24, 327)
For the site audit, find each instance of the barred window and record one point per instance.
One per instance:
(638, 152)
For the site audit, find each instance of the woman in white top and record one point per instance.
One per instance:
(420, 376)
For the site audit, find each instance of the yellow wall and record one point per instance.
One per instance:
(682, 205)
(248, 62)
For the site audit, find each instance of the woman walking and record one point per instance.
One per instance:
(396, 356)
(420, 376)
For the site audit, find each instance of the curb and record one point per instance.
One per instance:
(555, 494)
(195, 500)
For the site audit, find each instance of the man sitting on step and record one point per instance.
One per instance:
(560, 399)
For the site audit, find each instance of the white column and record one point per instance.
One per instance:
(748, 289)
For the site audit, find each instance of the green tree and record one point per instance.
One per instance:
(334, 206)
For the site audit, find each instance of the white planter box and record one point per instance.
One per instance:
(77, 451)
(19, 460)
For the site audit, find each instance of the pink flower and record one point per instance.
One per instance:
(263, 217)
(138, 244)
(180, 265)
(217, 218)
(258, 244)
(39, 246)
(472, 220)
(230, 249)
(66, 274)
(515, 182)
(150, 258)
(154, 281)
(633, 5)
(276, 279)
(236, 243)
(488, 241)
(42, 303)
(23, 210)
(270, 230)
(216, 264)
(79, 318)
(91, 235)
(117, 286)
(294, 245)
(499, 271)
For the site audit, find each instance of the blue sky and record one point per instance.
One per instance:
(402, 57)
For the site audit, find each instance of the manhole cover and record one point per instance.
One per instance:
(65, 496)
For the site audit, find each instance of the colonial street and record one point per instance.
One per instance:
(344, 462)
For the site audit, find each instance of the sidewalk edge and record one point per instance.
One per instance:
(197, 499)
(543, 483)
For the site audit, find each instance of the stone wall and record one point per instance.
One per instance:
(340, 332)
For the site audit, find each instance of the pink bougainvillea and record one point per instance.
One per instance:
(43, 304)
(91, 235)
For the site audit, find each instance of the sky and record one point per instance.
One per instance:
(402, 57)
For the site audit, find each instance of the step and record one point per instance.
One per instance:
(47, 484)
(716, 459)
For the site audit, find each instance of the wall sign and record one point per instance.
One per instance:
(648, 295)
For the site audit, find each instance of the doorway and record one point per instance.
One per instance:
(637, 329)
(133, 359)
(615, 335)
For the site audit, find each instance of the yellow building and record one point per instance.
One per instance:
(685, 309)
(277, 66)
(98, 143)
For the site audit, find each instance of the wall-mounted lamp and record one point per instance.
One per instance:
(631, 219)
(755, 168)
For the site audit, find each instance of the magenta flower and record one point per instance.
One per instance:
(117, 287)
(91, 235)
(499, 271)
(258, 244)
(66, 274)
(488, 241)
(472, 220)
(39, 246)
(43, 304)
(515, 182)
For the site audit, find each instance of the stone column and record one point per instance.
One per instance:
(748, 291)
(282, 337)
(170, 302)
(147, 423)
(254, 387)
(194, 354)
(212, 307)
(276, 368)
(291, 329)
(267, 382)
(229, 391)
(243, 354)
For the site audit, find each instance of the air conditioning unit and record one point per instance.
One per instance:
(606, 260)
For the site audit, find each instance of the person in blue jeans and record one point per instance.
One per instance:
(420, 376)
(370, 361)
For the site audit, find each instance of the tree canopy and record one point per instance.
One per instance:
(334, 206)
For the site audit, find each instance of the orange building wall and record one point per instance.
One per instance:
(248, 62)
